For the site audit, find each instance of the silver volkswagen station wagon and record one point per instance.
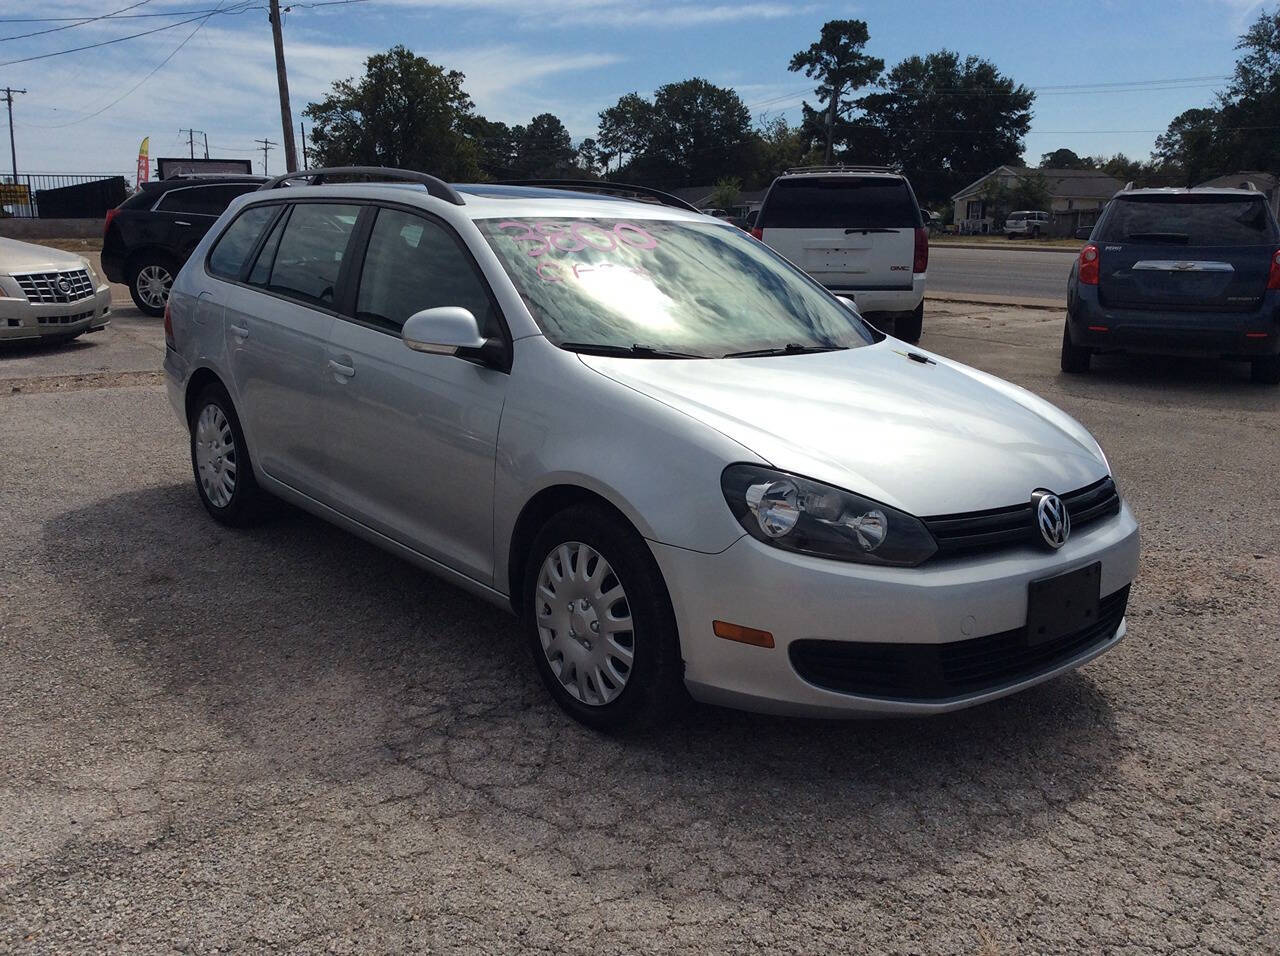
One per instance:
(682, 463)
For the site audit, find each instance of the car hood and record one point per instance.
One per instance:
(18, 256)
(930, 439)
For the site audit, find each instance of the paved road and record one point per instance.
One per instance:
(1038, 275)
(284, 739)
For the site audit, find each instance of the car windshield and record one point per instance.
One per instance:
(1212, 220)
(666, 288)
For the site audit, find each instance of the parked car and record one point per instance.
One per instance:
(677, 458)
(1179, 271)
(1028, 222)
(858, 231)
(49, 294)
(149, 236)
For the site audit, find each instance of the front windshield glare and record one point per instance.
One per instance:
(691, 288)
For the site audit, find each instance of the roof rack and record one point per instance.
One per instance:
(622, 190)
(435, 187)
(840, 169)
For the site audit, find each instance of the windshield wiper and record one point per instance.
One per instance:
(789, 349)
(1180, 238)
(626, 351)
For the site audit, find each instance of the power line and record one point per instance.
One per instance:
(132, 36)
(75, 21)
(23, 36)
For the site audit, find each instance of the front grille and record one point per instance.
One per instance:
(925, 672)
(63, 319)
(1015, 525)
(54, 287)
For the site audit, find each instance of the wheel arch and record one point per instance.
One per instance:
(198, 381)
(142, 253)
(536, 512)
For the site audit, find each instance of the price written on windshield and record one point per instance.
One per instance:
(547, 238)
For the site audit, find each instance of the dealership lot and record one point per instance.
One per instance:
(285, 738)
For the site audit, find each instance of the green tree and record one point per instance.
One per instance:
(544, 149)
(626, 127)
(1064, 158)
(726, 193)
(779, 146)
(840, 66)
(945, 121)
(405, 111)
(590, 157)
(495, 145)
(1248, 137)
(1192, 148)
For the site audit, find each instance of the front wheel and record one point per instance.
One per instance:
(1266, 371)
(1075, 358)
(909, 328)
(220, 460)
(599, 621)
(150, 280)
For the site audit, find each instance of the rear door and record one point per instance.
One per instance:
(849, 232)
(1186, 252)
(191, 211)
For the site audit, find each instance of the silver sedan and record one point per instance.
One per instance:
(686, 466)
(49, 294)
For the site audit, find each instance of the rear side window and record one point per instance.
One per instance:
(1190, 220)
(204, 200)
(233, 247)
(846, 202)
(312, 246)
(413, 264)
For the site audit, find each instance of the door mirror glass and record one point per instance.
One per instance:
(442, 330)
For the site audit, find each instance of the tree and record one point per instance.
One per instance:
(625, 127)
(1064, 158)
(544, 149)
(404, 112)
(726, 193)
(495, 145)
(590, 157)
(778, 146)
(945, 121)
(836, 60)
(1029, 191)
(1192, 148)
(1248, 137)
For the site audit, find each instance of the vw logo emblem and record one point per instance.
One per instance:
(64, 285)
(1052, 520)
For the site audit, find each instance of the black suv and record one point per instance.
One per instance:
(1179, 271)
(150, 235)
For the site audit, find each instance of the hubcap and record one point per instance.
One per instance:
(584, 623)
(153, 283)
(215, 455)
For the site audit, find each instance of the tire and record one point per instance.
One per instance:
(909, 328)
(150, 279)
(588, 674)
(1075, 358)
(220, 460)
(1266, 371)
(1035, 232)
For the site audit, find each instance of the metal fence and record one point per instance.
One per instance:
(61, 195)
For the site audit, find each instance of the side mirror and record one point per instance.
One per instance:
(848, 303)
(442, 331)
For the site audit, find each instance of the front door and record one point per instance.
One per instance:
(412, 436)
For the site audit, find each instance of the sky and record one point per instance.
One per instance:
(1141, 62)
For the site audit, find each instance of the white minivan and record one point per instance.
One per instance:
(858, 230)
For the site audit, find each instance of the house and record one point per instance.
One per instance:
(1266, 183)
(700, 197)
(1076, 196)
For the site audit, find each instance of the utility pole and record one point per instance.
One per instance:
(302, 138)
(831, 123)
(13, 148)
(266, 148)
(191, 141)
(282, 79)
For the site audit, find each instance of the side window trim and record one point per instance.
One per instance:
(353, 263)
(253, 250)
(160, 203)
(251, 260)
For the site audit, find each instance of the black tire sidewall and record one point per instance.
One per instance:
(135, 270)
(1075, 358)
(910, 329)
(242, 507)
(654, 688)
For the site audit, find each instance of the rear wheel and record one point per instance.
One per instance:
(150, 279)
(1266, 371)
(599, 621)
(1075, 358)
(220, 460)
(910, 327)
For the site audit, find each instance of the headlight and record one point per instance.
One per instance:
(802, 515)
(93, 273)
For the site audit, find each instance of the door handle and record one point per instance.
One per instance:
(179, 222)
(240, 330)
(345, 371)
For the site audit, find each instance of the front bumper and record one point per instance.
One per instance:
(1237, 335)
(21, 319)
(796, 597)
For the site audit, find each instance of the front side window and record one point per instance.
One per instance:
(309, 256)
(233, 247)
(413, 264)
(698, 288)
(204, 200)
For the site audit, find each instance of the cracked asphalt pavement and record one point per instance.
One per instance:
(286, 739)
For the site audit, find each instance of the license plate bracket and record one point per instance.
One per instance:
(1063, 604)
